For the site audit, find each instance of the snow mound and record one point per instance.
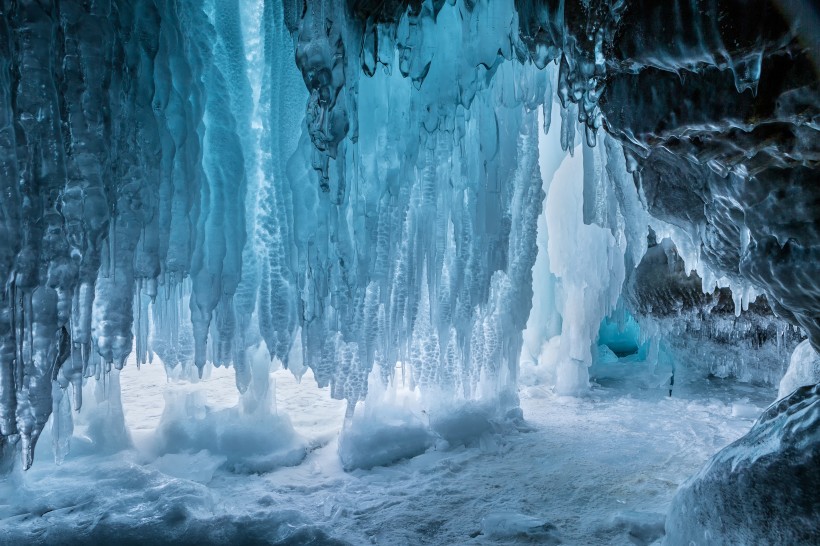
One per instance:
(804, 369)
(511, 525)
(255, 442)
(761, 489)
(371, 440)
(641, 528)
(468, 423)
(197, 467)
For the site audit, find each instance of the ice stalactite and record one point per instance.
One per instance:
(592, 232)
(40, 282)
(700, 330)
(217, 253)
(281, 113)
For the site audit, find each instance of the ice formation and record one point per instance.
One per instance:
(701, 331)
(393, 186)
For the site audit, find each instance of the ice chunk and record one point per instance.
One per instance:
(804, 369)
(514, 526)
(101, 422)
(464, 424)
(390, 426)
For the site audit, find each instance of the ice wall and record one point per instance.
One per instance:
(124, 173)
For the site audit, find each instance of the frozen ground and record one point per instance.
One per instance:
(597, 470)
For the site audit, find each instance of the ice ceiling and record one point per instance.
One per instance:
(362, 181)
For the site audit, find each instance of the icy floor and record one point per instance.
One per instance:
(598, 470)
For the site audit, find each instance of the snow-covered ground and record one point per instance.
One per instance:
(595, 470)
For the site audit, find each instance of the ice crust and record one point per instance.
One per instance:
(353, 186)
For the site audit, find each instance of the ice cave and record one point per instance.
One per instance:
(410, 272)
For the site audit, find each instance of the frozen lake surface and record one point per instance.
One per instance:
(595, 470)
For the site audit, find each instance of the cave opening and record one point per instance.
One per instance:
(426, 272)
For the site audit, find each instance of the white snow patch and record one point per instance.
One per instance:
(745, 410)
(511, 525)
(804, 369)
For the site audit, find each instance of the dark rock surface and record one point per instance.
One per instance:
(701, 330)
(724, 156)
(762, 489)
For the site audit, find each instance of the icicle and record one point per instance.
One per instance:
(62, 424)
(568, 121)
(547, 106)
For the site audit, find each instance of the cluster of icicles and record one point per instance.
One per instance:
(173, 183)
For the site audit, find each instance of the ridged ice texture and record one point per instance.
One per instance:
(145, 143)
(719, 101)
(123, 173)
(415, 235)
(716, 91)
